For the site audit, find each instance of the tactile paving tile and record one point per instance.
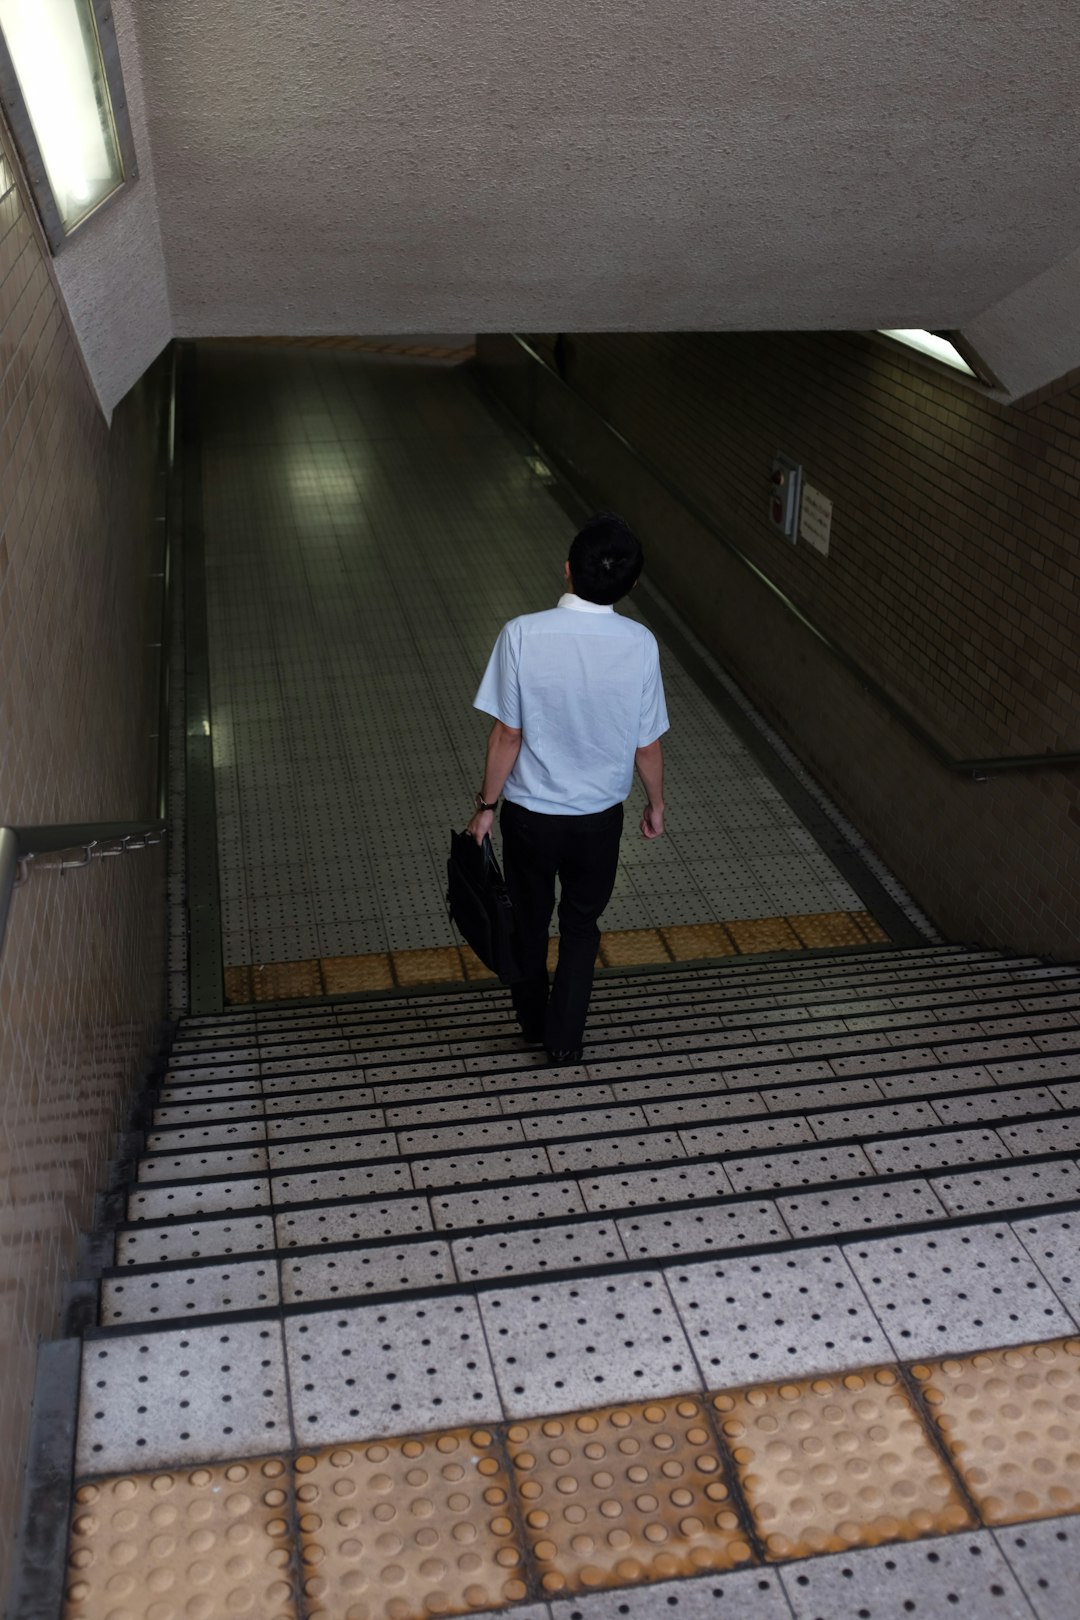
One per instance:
(764, 934)
(475, 970)
(834, 1463)
(546, 1248)
(688, 943)
(342, 974)
(952, 1575)
(632, 947)
(828, 928)
(407, 1528)
(284, 981)
(238, 992)
(1045, 1556)
(846, 1209)
(871, 928)
(1011, 1422)
(437, 966)
(184, 1545)
(625, 1494)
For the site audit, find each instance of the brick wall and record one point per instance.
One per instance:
(951, 579)
(81, 976)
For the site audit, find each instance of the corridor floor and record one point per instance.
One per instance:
(369, 528)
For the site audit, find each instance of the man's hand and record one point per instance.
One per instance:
(652, 822)
(480, 825)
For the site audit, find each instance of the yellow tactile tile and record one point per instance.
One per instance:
(832, 1463)
(552, 955)
(763, 934)
(439, 966)
(191, 1544)
(1011, 1422)
(474, 968)
(871, 928)
(623, 1495)
(238, 986)
(402, 1529)
(286, 981)
(825, 928)
(342, 974)
(633, 947)
(691, 942)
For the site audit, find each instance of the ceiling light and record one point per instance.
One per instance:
(933, 344)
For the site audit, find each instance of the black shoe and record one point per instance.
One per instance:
(558, 1059)
(531, 1038)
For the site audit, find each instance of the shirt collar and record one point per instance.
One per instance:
(579, 604)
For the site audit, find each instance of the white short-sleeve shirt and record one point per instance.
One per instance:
(583, 686)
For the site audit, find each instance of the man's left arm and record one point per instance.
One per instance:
(503, 747)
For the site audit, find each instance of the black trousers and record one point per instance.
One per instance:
(583, 853)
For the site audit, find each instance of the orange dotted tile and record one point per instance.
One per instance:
(871, 928)
(403, 1529)
(696, 941)
(552, 955)
(286, 981)
(474, 968)
(764, 934)
(342, 974)
(1011, 1422)
(427, 967)
(195, 1544)
(631, 947)
(824, 928)
(624, 1494)
(238, 990)
(829, 1464)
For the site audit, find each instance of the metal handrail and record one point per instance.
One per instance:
(976, 768)
(92, 840)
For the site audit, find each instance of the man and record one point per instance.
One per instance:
(577, 701)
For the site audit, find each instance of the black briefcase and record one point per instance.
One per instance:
(479, 904)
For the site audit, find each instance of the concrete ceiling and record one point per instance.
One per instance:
(334, 166)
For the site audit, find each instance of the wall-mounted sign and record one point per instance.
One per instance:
(815, 519)
(785, 482)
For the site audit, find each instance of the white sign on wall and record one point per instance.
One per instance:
(815, 522)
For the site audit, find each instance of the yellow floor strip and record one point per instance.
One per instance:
(421, 1525)
(632, 947)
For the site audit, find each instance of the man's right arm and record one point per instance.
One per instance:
(650, 764)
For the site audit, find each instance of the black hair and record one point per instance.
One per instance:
(605, 559)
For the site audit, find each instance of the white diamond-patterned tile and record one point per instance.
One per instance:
(1053, 1242)
(497, 1206)
(706, 1226)
(583, 1156)
(362, 1147)
(546, 1248)
(204, 1290)
(200, 1164)
(957, 1574)
(586, 1122)
(666, 1185)
(402, 1366)
(352, 1223)
(284, 1103)
(195, 1394)
(957, 1289)
(1042, 1136)
(348, 1120)
(459, 1170)
(714, 1106)
(867, 1122)
(434, 1110)
(756, 1318)
(824, 1094)
(198, 1198)
(382, 1268)
(935, 1150)
(560, 1345)
(528, 1102)
(463, 1138)
(744, 1594)
(158, 1245)
(349, 1181)
(746, 1136)
(847, 1209)
(1045, 1558)
(997, 1103)
(182, 1136)
(1009, 1187)
(797, 1169)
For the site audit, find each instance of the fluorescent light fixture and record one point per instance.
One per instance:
(933, 344)
(55, 52)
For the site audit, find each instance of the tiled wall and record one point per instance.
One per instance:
(951, 578)
(81, 977)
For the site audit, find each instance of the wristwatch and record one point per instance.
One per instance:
(480, 805)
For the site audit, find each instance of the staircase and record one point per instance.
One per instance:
(381, 1216)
